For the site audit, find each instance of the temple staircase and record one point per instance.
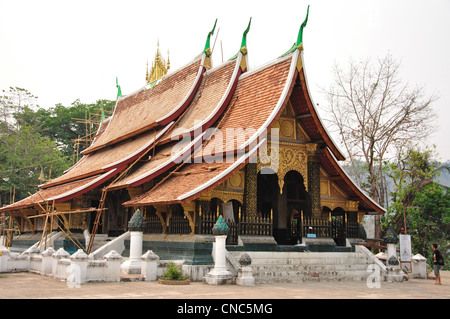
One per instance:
(286, 267)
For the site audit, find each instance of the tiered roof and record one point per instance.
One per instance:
(168, 124)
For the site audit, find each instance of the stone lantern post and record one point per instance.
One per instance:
(220, 275)
(136, 228)
(394, 273)
(391, 241)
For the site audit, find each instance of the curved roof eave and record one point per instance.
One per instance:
(348, 180)
(203, 125)
(317, 120)
(176, 110)
(261, 131)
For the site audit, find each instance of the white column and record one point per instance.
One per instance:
(47, 261)
(78, 269)
(4, 257)
(149, 265)
(114, 259)
(220, 275)
(133, 264)
(220, 262)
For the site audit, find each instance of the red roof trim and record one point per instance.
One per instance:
(359, 193)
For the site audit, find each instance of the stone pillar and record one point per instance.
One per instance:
(78, 269)
(245, 272)
(251, 190)
(4, 257)
(220, 275)
(136, 227)
(149, 266)
(47, 261)
(57, 256)
(419, 266)
(114, 259)
(394, 273)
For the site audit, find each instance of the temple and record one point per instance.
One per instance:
(203, 141)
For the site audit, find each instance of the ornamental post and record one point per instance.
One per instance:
(220, 275)
(136, 228)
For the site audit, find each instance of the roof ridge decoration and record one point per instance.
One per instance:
(207, 50)
(243, 48)
(299, 44)
(199, 128)
(158, 70)
(119, 90)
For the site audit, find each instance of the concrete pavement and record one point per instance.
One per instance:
(33, 286)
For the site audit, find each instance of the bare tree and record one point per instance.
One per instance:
(375, 114)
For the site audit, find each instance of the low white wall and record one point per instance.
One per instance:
(60, 265)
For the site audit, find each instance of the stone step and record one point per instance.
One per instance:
(316, 268)
(299, 275)
(307, 261)
(261, 279)
(271, 267)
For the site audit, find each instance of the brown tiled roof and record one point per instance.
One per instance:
(254, 100)
(105, 159)
(212, 89)
(60, 193)
(148, 108)
(181, 182)
(211, 99)
(162, 156)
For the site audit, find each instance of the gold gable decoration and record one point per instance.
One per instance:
(159, 67)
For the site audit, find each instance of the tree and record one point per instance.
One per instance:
(65, 124)
(420, 206)
(375, 113)
(24, 153)
(23, 156)
(429, 219)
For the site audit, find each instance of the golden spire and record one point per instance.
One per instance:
(159, 67)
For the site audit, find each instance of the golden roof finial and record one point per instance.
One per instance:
(168, 61)
(159, 67)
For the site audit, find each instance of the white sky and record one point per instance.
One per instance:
(65, 50)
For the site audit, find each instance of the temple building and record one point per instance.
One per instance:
(203, 141)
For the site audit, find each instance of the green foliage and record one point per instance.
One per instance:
(36, 140)
(174, 272)
(23, 155)
(423, 203)
(65, 124)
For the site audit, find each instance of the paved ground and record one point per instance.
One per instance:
(33, 286)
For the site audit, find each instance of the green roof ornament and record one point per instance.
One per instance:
(299, 43)
(244, 38)
(300, 32)
(243, 48)
(207, 49)
(119, 91)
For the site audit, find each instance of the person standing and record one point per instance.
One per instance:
(438, 261)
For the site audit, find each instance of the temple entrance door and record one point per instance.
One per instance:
(295, 197)
(267, 198)
(338, 226)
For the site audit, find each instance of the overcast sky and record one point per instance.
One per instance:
(67, 50)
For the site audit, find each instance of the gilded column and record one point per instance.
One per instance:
(314, 185)
(250, 190)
